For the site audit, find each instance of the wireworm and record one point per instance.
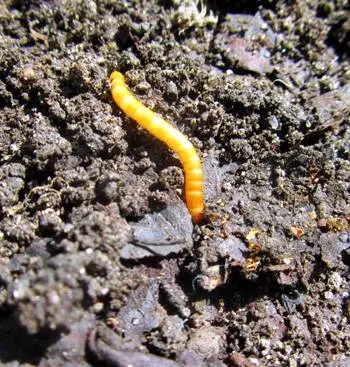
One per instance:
(172, 137)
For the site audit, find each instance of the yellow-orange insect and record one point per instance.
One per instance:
(165, 132)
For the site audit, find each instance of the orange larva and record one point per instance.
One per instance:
(165, 132)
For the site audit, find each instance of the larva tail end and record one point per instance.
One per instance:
(117, 76)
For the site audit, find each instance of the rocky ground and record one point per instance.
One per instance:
(100, 263)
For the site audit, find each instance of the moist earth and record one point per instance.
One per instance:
(100, 263)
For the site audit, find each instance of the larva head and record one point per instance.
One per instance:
(117, 78)
(197, 217)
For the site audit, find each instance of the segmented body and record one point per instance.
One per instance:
(173, 138)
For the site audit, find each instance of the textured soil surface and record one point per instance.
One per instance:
(100, 264)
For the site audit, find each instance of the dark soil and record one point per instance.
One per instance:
(100, 264)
